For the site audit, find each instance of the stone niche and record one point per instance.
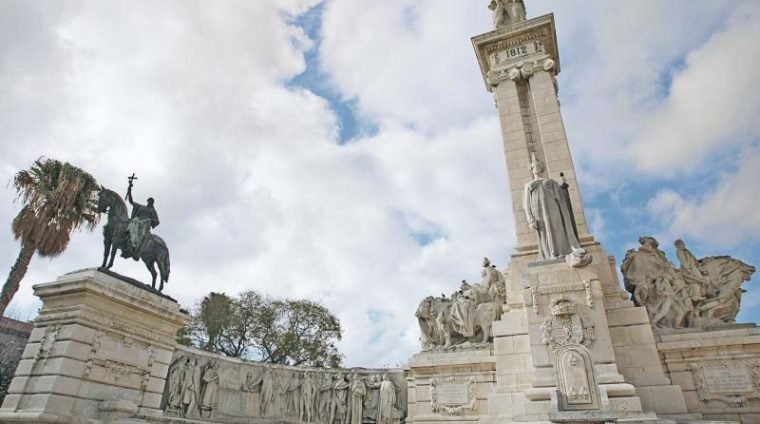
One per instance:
(99, 352)
(203, 386)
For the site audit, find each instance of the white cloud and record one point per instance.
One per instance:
(711, 105)
(723, 216)
(407, 62)
(252, 187)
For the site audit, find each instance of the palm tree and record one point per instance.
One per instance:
(57, 198)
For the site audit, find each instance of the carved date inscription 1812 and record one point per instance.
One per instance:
(728, 380)
(452, 394)
(514, 52)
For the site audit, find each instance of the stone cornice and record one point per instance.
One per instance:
(531, 41)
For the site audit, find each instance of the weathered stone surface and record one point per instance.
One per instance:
(465, 319)
(209, 387)
(97, 340)
(703, 293)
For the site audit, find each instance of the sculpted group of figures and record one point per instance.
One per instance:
(467, 316)
(701, 293)
(311, 396)
(507, 12)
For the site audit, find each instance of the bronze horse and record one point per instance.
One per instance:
(116, 236)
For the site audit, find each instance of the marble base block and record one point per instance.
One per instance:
(99, 352)
(718, 371)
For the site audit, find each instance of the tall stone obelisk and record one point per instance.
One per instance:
(569, 346)
(520, 65)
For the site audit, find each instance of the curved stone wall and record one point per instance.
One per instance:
(210, 387)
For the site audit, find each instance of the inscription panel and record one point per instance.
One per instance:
(515, 52)
(453, 394)
(728, 380)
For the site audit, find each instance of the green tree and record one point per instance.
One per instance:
(216, 315)
(57, 198)
(293, 332)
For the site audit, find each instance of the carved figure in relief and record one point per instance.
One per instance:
(308, 396)
(267, 390)
(702, 293)
(373, 397)
(507, 12)
(291, 393)
(325, 398)
(358, 391)
(210, 392)
(340, 400)
(387, 413)
(191, 384)
(548, 211)
(174, 379)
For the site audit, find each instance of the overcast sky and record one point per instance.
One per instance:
(347, 151)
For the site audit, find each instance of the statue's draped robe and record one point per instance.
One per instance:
(174, 401)
(463, 313)
(643, 267)
(547, 203)
(358, 392)
(386, 408)
(210, 395)
(341, 392)
(691, 269)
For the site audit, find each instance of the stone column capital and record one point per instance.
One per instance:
(521, 71)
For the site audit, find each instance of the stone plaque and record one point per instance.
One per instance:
(728, 380)
(453, 394)
(515, 52)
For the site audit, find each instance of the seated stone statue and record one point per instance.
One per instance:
(465, 317)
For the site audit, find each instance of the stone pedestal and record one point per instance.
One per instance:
(99, 352)
(718, 370)
(555, 354)
(450, 386)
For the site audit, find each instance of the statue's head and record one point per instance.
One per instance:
(486, 262)
(385, 377)
(680, 244)
(465, 285)
(150, 201)
(536, 166)
(649, 242)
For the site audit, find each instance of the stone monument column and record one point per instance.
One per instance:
(563, 348)
(99, 352)
(520, 64)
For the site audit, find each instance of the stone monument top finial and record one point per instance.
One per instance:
(507, 12)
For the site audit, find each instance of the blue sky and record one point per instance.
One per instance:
(348, 152)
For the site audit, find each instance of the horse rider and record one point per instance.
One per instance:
(144, 217)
